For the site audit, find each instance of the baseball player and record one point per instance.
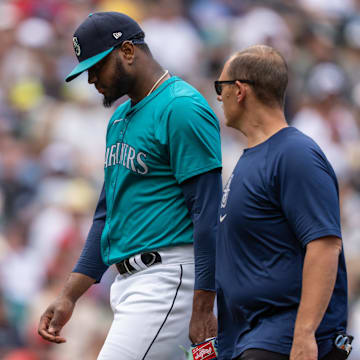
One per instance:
(160, 196)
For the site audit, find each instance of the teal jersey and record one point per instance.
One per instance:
(151, 147)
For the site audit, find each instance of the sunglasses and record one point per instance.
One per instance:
(219, 84)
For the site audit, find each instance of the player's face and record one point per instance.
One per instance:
(110, 78)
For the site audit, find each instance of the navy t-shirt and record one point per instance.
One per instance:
(283, 193)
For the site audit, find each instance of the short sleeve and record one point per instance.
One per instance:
(309, 193)
(191, 131)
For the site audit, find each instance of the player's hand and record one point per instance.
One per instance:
(203, 325)
(304, 347)
(54, 318)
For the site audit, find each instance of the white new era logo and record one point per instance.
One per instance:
(117, 35)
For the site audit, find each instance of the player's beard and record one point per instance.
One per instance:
(120, 85)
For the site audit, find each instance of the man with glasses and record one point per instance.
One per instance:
(161, 193)
(280, 268)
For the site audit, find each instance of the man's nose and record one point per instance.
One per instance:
(91, 76)
(219, 98)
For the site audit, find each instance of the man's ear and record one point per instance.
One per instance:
(127, 50)
(240, 91)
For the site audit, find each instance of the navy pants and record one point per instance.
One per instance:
(259, 354)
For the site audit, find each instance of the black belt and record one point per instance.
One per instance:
(148, 259)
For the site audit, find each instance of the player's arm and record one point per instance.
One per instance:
(90, 261)
(190, 131)
(318, 281)
(202, 195)
(88, 270)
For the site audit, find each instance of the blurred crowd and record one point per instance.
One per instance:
(52, 135)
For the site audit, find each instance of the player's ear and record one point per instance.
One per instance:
(240, 91)
(127, 49)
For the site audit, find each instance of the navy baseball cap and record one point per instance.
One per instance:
(99, 34)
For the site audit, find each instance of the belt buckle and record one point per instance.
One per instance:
(152, 260)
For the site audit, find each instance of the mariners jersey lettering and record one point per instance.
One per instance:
(152, 147)
(125, 155)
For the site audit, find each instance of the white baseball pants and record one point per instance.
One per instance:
(152, 309)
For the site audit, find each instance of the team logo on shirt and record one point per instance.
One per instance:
(125, 155)
(226, 192)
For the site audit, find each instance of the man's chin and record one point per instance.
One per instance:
(109, 101)
(228, 122)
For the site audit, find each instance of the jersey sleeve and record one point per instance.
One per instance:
(90, 262)
(309, 193)
(202, 196)
(191, 132)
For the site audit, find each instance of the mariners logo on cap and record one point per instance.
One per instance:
(76, 46)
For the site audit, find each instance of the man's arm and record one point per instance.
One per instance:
(309, 198)
(88, 270)
(191, 133)
(318, 281)
(202, 195)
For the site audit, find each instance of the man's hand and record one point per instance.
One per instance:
(60, 311)
(54, 319)
(202, 326)
(203, 323)
(304, 347)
